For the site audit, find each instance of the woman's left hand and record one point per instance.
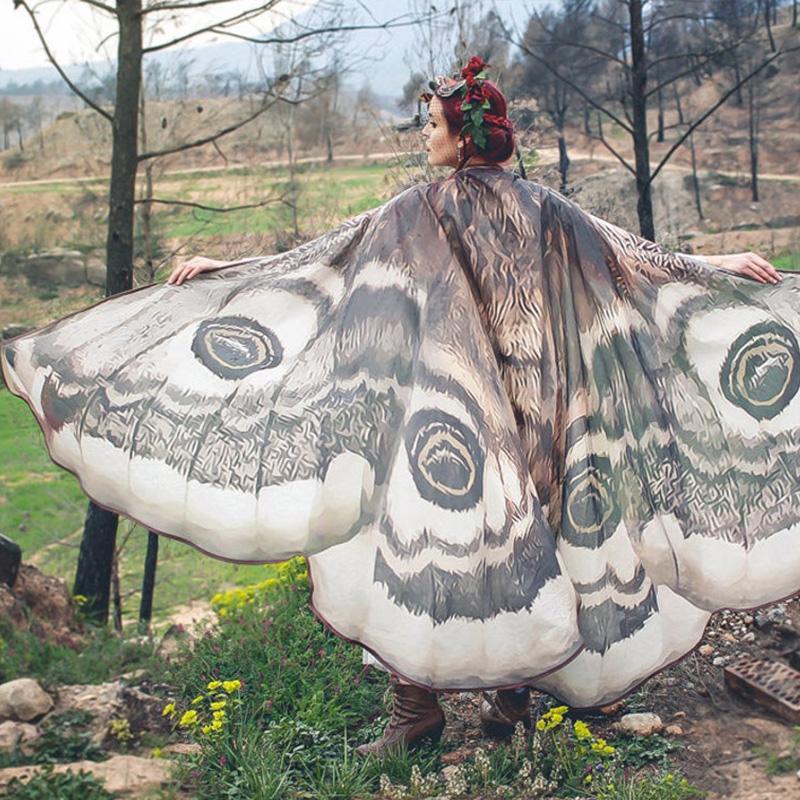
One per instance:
(750, 264)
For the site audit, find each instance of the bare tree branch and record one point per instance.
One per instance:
(572, 85)
(51, 58)
(203, 207)
(315, 32)
(703, 117)
(101, 6)
(220, 28)
(212, 137)
(599, 137)
(169, 6)
(242, 16)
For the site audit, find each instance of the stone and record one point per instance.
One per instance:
(127, 775)
(24, 700)
(102, 700)
(173, 642)
(673, 730)
(641, 724)
(10, 559)
(14, 735)
(705, 650)
(182, 749)
(749, 637)
(56, 267)
(720, 661)
(44, 607)
(113, 700)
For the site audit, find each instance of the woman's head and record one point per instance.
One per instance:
(451, 134)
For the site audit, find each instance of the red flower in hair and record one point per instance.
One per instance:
(474, 66)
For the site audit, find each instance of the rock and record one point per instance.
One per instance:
(175, 638)
(705, 650)
(42, 605)
(679, 715)
(673, 730)
(129, 775)
(643, 724)
(720, 661)
(15, 735)
(113, 700)
(133, 676)
(102, 700)
(23, 699)
(96, 272)
(749, 637)
(56, 267)
(143, 711)
(182, 749)
(10, 559)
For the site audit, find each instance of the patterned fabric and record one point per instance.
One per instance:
(516, 443)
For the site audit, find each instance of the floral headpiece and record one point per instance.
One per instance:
(475, 100)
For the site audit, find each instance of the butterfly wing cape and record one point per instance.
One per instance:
(516, 443)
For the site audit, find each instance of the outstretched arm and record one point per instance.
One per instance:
(750, 264)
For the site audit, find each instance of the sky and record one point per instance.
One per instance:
(74, 30)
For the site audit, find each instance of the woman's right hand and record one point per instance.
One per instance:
(188, 269)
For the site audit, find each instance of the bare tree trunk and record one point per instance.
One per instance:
(660, 136)
(117, 594)
(695, 181)
(768, 24)
(146, 206)
(19, 137)
(752, 130)
(563, 160)
(794, 13)
(93, 573)
(641, 146)
(148, 581)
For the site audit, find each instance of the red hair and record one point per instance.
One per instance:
(499, 139)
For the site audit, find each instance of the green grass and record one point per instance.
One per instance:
(790, 260)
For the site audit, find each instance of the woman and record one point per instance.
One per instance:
(518, 445)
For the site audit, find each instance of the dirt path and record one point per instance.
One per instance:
(547, 156)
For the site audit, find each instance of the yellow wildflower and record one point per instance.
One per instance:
(582, 731)
(198, 699)
(169, 709)
(219, 704)
(231, 686)
(214, 685)
(156, 752)
(188, 719)
(219, 714)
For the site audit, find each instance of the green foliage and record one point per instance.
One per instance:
(65, 739)
(46, 785)
(103, 656)
(643, 751)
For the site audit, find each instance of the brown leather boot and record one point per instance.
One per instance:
(501, 712)
(416, 714)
